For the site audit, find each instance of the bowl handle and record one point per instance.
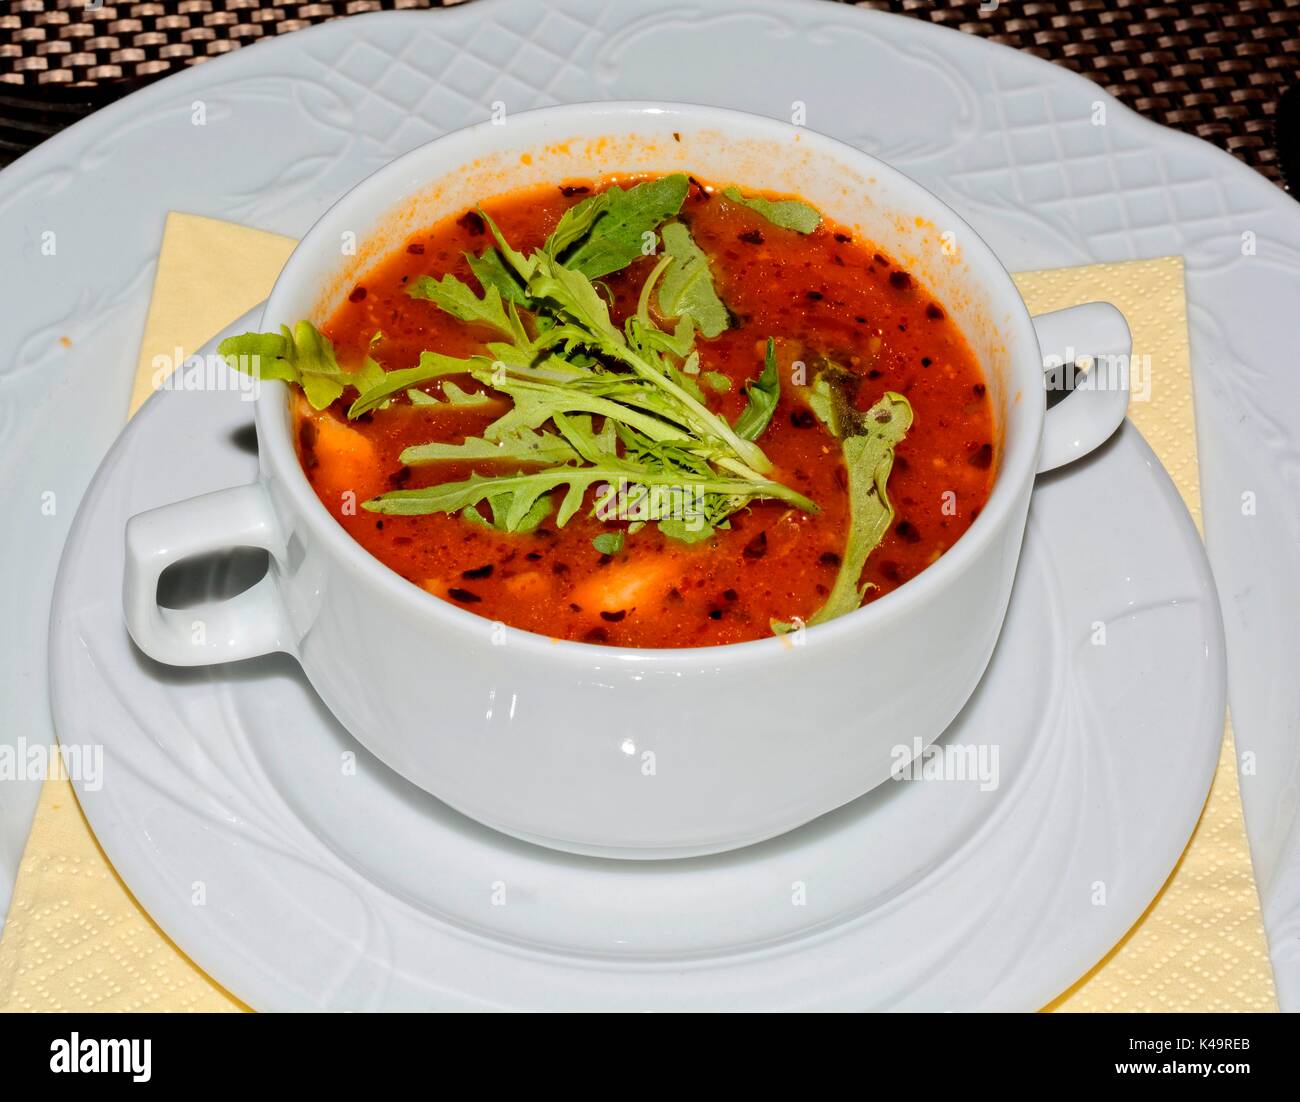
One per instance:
(1096, 408)
(246, 625)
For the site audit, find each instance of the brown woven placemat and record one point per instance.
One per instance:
(1213, 69)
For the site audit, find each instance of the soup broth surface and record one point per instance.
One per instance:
(821, 296)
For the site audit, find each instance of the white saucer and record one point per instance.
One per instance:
(1007, 139)
(326, 888)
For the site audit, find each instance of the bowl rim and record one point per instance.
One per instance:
(1017, 465)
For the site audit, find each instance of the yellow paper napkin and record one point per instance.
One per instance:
(76, 939)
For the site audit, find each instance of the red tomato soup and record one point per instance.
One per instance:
(821, 296)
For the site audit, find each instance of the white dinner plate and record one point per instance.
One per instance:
(303, 874)
(1011, 142)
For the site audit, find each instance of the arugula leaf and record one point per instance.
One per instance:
(457, 397)
(687, 289)
(789, 214)
(523, 265)
(432, 365)
(763, 395)
(591, 446)
(369, 374)
(576, 222)
(694, 530)
(576, 298)
(491, 271)
(606, 232)
(608, 543)
(536, 402)
(525, 445)
(523, 490)
(303, 355)
(498, 506)
(869, 456)
(459, 300)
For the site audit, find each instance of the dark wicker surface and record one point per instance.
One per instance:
(1214, 69)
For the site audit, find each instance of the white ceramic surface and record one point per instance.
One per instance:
(1008, 140)
(328, 882)
(619, 751)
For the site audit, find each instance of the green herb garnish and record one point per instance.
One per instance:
(608, 543)
(605, 232)
(717, 381)
(763, 395)
(303, 356)
(869, 442)
(789, 214)
(566, 367)
(491, 271)
(687, 288)
(459, 300)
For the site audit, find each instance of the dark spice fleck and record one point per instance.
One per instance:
(574, 189)
(379, 524)
(933, 312)
(402, 476)
(559, 568)
(814, 296)
(751, 237)
(675, 595)
(715, 614)
(982, 456)
(843, 238)
(889, 569)
(484, 571)
(978, 388)
(926, 361)
(415, 249)
(596, 635)
(860, 320)
(614, 617)
(900, 281)
(729, 595)
(307, 444)
(464, 596)
(880, 260)
(358, 293)
(906, 530)
(533, 556)
(874, 373)
(472, 223)
(802, 418)
(829, 558)
(757, 547)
